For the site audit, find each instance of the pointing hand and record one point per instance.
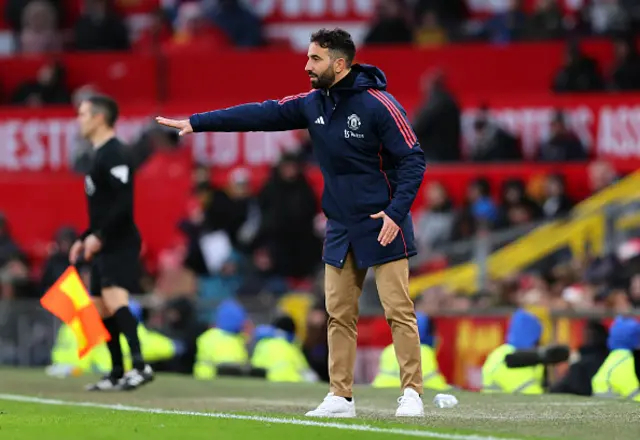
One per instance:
(183, 125)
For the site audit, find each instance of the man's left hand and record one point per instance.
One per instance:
(389, 229)
(92, 246)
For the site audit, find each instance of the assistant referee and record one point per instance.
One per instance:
(112, 243)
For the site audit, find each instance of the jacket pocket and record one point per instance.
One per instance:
(370, 194)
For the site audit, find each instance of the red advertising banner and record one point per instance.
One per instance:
(44, 140)
(607, 125)
(463, 345)
(297, 19)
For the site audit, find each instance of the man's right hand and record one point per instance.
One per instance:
(75, 252)
(181, 124)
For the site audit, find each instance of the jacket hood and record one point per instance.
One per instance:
(369, 77)
(424, 330)
(230, 317)
(282, 334)
(524, 330)
(624, 334)
(263, 332)
(362, 77)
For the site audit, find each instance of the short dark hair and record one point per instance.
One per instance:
(105, 105)
(338, 41)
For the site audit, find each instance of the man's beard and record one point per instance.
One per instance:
(324, 80)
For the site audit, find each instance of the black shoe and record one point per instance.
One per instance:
(107, 383)
(134, 379)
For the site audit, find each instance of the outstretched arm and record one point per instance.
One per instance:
(272, 115)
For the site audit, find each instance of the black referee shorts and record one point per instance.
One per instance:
(118, 267)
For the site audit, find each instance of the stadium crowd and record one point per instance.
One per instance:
(89, 25)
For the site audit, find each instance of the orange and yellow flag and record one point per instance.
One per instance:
(68, 300)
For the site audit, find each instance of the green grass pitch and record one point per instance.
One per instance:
(36, 407)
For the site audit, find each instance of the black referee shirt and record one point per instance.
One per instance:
(109, 189)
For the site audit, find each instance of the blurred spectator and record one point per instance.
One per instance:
(507, 26)
(506, 291)
(194, 32)
(229, 210)
(172, 278)
(517, 207)
(315, 346)
(563, 145)
(58, 260)
(437, 121)
(579, 73)
(479, 209)
(261, 276)
(557, 203)
(241, 25)
(246, 209)
(390, 24)
(48, 89)
(39, 32)
(458, 302)
(200, 174)
(14, 9)
(8, 247)
(15, 281)
(626, 69)
(435, 223)
(634, 290)
(429, 31)
(157, 34)
(192, 227)
(546, 21)
(449, 13)
(178, 321)
(601, 175)
(492, 143)
(100, 28)
(591, 355)
(607, 16)
(288, 208)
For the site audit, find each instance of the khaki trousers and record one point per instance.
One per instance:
(342, 290)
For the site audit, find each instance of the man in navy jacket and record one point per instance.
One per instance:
(372, 166)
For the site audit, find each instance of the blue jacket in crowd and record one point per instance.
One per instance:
(367, 151)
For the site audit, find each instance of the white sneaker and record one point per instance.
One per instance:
(334, 406)
(410, 404)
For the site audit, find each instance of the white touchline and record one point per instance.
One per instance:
(283, 421)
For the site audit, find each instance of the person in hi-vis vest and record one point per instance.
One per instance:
(155, 347)
(277, 352)
(524, 333)
(223, 344)
(389, 371)
(617, 376)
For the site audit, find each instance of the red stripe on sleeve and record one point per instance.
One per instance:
(401, 122)
(292, 97)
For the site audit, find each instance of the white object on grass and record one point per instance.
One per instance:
(445, 401)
